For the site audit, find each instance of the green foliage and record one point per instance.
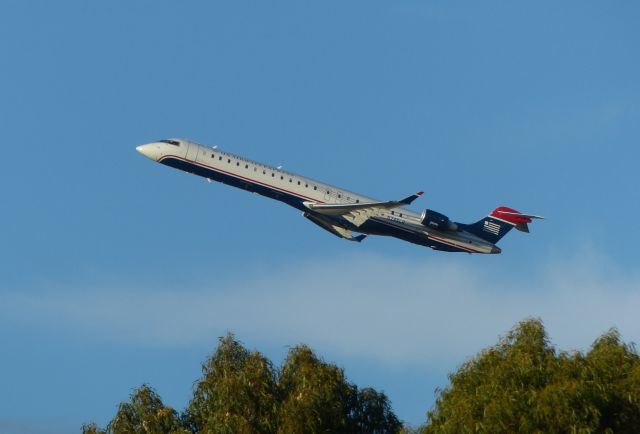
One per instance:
(316, 396)
(610, 381)
(523, 385)
(318, 399)
(92, 428)
(241, 393)
(145, 414)
(372, 413)
(237, 394)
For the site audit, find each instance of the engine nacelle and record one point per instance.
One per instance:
(437, 221)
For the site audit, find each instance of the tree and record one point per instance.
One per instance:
(316, 396)
(144, 414)
(241, 393)
(610, 380)
(237, 394)
(523, 385)
(371, 413)
(92, 428)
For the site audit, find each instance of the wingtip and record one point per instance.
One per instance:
(407, 200)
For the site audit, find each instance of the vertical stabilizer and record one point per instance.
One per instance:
(498, 224)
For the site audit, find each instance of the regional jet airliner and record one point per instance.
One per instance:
(344, 213)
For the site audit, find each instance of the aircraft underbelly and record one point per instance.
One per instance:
(376, 227)
(233, 181)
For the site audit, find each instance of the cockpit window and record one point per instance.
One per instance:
(170, 142)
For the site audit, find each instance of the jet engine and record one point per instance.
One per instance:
(437, 221)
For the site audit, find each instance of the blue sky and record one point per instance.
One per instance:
(115, 271)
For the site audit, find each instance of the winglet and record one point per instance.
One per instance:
(407, 200)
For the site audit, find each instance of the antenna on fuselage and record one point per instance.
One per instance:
(279, 167)
(215, 147)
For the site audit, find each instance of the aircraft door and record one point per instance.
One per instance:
(192, 151)
(327, 196)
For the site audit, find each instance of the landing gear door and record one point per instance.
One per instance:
(192, 151)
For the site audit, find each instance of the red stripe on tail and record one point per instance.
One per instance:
(509, 215)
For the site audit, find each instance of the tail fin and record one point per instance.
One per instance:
(497, 224)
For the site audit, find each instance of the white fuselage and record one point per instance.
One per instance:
(296, 190)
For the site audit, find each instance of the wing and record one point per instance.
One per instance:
(328, 225)
(358, 213)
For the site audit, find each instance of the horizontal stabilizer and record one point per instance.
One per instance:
(512, 216)
(519, 214)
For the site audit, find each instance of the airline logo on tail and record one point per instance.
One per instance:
(491, 227)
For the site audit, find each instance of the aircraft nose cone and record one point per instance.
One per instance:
(496, 249)
(147, 151)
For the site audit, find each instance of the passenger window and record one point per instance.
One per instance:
(315, 187)
(339, 196)
(273, 175)
(357, 200)
(264, 172)
(289, 179)
(213, 156)
(298, 182)
(306, 186)
(228, 160)
(220, 158)
(281, 177)
(237, 163)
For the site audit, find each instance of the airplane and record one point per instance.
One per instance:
(341, 212)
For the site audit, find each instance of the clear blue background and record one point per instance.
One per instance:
(479, 104)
